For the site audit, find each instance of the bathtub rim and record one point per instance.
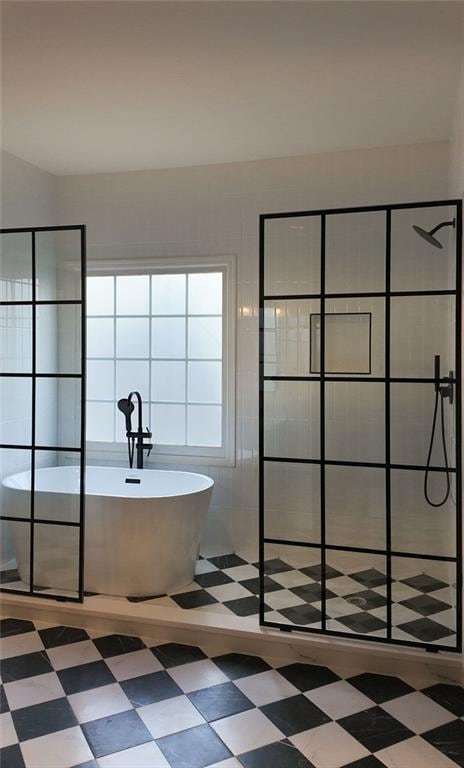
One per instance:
(129, 473)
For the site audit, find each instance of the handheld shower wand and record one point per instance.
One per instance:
(442, 392)
(126, 406)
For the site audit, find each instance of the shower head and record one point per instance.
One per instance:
(126, 407)
(429, 236)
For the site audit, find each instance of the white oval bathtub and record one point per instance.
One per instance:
(141, 538)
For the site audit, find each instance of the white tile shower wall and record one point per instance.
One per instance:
(214, 209)
(27, 200)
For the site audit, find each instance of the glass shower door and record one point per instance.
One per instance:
(356, 309)
(42, 391)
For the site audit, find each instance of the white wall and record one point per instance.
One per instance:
(457, 142)
(214, 209)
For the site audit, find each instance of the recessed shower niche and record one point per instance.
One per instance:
(360, 423)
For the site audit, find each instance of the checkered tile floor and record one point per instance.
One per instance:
(423, 609)
(72, 698)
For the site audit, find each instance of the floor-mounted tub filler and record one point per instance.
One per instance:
(142, 533)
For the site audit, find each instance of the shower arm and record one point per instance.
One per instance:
(451, 223)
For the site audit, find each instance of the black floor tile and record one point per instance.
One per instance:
(3, 701)
(448, 739)
(52, 637)
(380, 688)
(196, 599)
(362, 622)
(175, 654)
(294, 715)
(27, 665)
(306, 677)
(276, 565)
(115, 733)
(375, 729)
(10, 627)
(368, 762)
(370, 577)
(89, 764)
(311, 593)
(302, 614)
(253, 585)
(315, 572)
(451, 697)
(424, 583)
(227, 561)
(115, 645)
(8, 577)
(11, 757)
(195, 748)
(278, 755)
(426, 605)
(220, 701)
(426, 630)
(212, 579)
(40, 719)
(85, 677)
(369, 599)
(144, 598)
(244, 606)
(148, 689)
(236, 665)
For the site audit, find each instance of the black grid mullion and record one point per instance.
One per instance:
(387, 422)
(33, 414)
(322, 428)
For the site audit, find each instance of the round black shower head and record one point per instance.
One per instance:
(427, 236)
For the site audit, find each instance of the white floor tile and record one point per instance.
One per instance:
(170, 716)
(339, 699)
(196, 675)
(63, 749)
(232, 762)
(290, 579)
(246, 731)
(266, 687)
(18, 645)
(143, 756)
(231, 591)
(163, 602)
(413, 752)
(343, 585)
(329, 746)
(73, 654)
(242, 572)
(99, 702)
(282, 598)
(33, 690)
(133, 664)
(7, 731)
(417, 712)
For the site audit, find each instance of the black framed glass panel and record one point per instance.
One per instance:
(42, 418)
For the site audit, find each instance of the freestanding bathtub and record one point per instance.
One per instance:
(141, 537)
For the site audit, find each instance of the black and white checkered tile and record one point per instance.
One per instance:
(423, 606)
(71, 698)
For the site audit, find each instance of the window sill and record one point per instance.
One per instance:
(118, 455)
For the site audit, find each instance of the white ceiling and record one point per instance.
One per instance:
(106, 86)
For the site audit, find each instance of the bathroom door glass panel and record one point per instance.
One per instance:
(349, 385)
(42, 397)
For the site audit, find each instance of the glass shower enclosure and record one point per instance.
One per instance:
(360, 423)
(42, 419)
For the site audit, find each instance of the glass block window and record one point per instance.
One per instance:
(163, 334)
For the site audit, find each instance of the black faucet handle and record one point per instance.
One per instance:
(148, 433)
(149, 446)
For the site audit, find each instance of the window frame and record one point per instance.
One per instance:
(179, 454)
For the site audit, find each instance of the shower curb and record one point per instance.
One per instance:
(233, 634)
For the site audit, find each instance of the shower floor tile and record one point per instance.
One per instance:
(200, 710)
(228, 585)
